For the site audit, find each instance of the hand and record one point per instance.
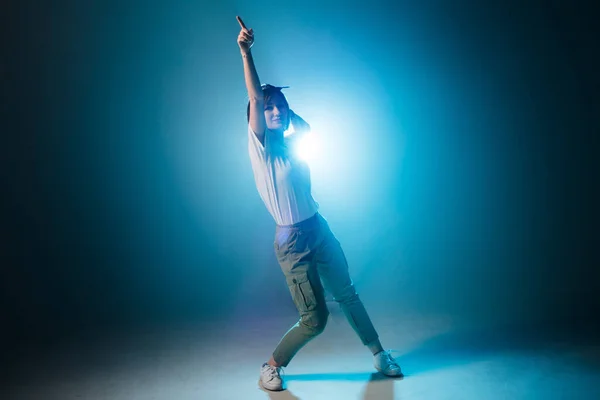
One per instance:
(246, 37)
(300, 125)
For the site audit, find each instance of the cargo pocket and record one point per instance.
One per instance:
(302, 292)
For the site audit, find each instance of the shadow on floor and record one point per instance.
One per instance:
(283, 395)
(573, 344)
(576, 345)
(378, 386)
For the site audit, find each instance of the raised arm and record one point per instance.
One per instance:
(257, 114)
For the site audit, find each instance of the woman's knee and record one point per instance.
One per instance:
(316, 321)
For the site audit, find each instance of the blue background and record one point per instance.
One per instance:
(458, 159)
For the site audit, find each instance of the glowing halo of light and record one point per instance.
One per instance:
(308, 148)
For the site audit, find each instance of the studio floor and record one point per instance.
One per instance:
(222, 361)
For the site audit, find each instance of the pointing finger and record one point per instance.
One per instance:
(241, 22)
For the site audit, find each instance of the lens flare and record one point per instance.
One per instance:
(308, 147)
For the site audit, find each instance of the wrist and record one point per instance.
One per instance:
(246, 53)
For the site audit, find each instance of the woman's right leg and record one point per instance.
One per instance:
(295, 251)
(302, 332)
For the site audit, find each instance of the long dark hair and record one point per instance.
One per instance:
(268, 92)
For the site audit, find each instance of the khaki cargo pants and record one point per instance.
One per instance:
(311, 258)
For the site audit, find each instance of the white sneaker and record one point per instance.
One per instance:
(270, 378)
(385, 363)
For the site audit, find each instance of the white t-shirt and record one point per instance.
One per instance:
(282, 180)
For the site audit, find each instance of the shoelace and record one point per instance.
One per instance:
(275, 372)
(391, 360)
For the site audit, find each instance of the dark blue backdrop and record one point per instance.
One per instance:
(458, 167)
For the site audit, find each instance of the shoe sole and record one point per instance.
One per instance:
(267, 389)
(400, 375)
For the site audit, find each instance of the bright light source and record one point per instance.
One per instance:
(308, 147)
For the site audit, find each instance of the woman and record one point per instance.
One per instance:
(309, 254)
